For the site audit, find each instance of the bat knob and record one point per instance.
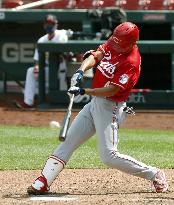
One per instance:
(61, 138)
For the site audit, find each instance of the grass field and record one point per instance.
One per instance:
(25, 148)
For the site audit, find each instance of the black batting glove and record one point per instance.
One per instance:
(76, 90)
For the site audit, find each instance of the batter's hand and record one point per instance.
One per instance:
(76, 90)
(77, 77)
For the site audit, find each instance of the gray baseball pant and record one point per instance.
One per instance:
(97, 117)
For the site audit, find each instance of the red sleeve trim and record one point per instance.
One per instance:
(95, 57)
(117, 85)
(100, 48)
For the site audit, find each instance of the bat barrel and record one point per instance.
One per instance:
(66, 121)
(63, 131)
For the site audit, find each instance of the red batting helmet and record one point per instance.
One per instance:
(124, 37)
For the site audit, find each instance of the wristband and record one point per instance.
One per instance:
(80, 72)
(82, 91)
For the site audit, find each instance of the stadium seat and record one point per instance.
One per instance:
(86, 4)
(170, 4)
(92, 4)
(108, 3)
(11, 3)
(56, 5)
(157, 5)
(131, 5)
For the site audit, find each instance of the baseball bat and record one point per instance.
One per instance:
(66, 121)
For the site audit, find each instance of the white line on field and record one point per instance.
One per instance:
(51, 198)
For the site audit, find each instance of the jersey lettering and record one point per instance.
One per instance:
(107, 55)
(117, 70)
(105, 67)
(107, 84)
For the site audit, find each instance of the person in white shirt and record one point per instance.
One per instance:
(31, 83)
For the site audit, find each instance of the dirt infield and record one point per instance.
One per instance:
(84, 186)
(158, 120)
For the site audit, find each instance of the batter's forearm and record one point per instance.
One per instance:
(102, 92)
(87, 64)
(91, 61)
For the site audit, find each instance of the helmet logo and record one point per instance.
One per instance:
(116, 40)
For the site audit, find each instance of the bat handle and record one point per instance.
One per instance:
(71, 101)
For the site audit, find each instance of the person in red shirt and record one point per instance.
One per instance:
(117, 65)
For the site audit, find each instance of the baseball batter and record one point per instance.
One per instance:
(53, 35)
(118, 65)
